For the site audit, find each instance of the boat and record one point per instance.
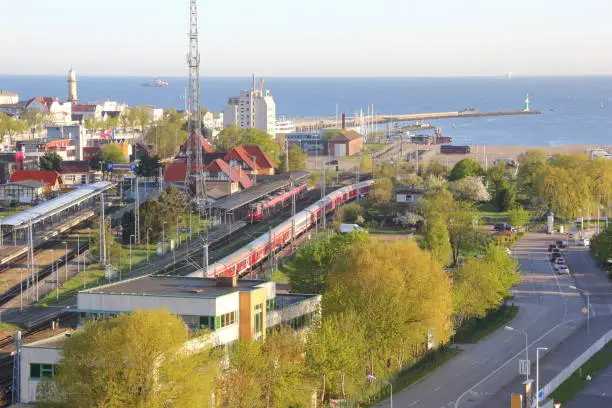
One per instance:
(156, 83)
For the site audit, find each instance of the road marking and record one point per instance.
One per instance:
(414, 403)
(436, 389)
(592, 310)
(458, 400)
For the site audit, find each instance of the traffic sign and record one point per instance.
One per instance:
(540, 395)
(121, 167)
(524, 367)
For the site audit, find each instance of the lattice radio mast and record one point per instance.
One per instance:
(194, 175)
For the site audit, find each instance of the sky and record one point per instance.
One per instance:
(308, 38)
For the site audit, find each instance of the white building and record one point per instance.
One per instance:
(8, 98)
(254, 108)
(232, 309)
(155, 112)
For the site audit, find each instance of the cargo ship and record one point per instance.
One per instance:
(156, 83)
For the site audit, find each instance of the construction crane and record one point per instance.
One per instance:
(194, 174)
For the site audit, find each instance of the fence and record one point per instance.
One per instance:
(575, 365)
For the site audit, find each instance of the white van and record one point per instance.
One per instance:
(346, 228)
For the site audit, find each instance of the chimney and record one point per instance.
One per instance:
(343, 121)
(227, 281)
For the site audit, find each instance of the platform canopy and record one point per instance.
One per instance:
(56, 205)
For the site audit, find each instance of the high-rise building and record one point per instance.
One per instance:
(254, 108)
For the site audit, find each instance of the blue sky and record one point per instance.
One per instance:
(309, 38)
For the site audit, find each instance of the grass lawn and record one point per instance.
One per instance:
(94, 274)
(389, 231)
(572, 386)
(372, 147)
(476, 329)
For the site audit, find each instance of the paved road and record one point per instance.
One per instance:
(549, 312)
(587, 276)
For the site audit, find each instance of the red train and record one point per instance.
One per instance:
(273, 203)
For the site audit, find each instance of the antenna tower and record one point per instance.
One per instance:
(194, 174)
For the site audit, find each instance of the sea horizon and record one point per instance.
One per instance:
(575, 109)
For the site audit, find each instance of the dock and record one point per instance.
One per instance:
(467, 113)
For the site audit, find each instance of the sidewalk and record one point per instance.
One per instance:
(555, 360)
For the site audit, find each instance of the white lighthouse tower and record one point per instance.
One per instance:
(72, 86)
(527, 107)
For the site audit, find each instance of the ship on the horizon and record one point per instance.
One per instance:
(156, 83)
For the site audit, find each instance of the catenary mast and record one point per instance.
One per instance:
(194, 175)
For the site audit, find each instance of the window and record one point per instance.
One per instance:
(258, 320)
(226, 319)
(270, 304)
(42, 371)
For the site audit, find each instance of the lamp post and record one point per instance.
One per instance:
(78, 253)
(131, 236)
(510, 328)
(373, 378)
(56, 280)
(148, 249)
(538, 374)
(66, 261)
(178, 236)
(588, 296)
(164, 236)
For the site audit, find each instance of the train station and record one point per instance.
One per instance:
(48, 219)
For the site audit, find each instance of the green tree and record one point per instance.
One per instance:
(34, 119)
(518, 216)
(531, 165)
(436, 169)
(111, 153)
(476, 290)
(230, 137)
(315, 259)
(465, 168)
(297, 159)
(470, 189)
(382, 191)
(505, 196)
(352, 213)
(270, 373)
(400, 312)
(50, 161)
(437, 241)
(601, 246)
(11, 127)
(148, 166)
(132, 360)
(142, 117)
(336, 355)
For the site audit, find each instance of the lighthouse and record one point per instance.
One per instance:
(526, 108)
(72, 86)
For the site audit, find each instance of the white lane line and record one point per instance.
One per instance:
(414, 403)
(437, 388)
(458, 400)
(592, 310)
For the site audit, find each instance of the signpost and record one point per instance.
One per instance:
(524, 367)
(121, 167)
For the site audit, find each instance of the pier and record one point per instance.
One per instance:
(468, 113)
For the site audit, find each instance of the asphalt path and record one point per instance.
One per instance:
(549, 312)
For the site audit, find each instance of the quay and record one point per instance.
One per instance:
(468, 113)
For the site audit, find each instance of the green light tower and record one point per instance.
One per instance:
(526, 108)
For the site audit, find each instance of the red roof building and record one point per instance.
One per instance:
(52, 179)
(217, 176)
(206, 146)
(241, 158)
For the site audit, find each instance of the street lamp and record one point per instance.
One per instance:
(510, 328)
(148, 249)
(373, 378)
(588, 296)
(66, 261)
(131, 236)
(538, 374)
(164, 236)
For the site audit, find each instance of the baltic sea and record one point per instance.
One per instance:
(575, 110)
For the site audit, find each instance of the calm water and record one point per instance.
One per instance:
(576, 110)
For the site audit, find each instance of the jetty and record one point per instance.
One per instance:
(466, 113)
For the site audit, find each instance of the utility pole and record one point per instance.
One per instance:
(102, 232)
(205, 260)
(286, 155)
(137, 216)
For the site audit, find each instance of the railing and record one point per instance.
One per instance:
(285, 313)
(576, 364)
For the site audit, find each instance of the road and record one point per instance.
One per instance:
(549, 312)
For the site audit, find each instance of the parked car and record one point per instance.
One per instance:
(502, 226)
(554, 256)
(584, 242)
(561, 244)
(552, 247)
(562, 270)
(559, 261)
